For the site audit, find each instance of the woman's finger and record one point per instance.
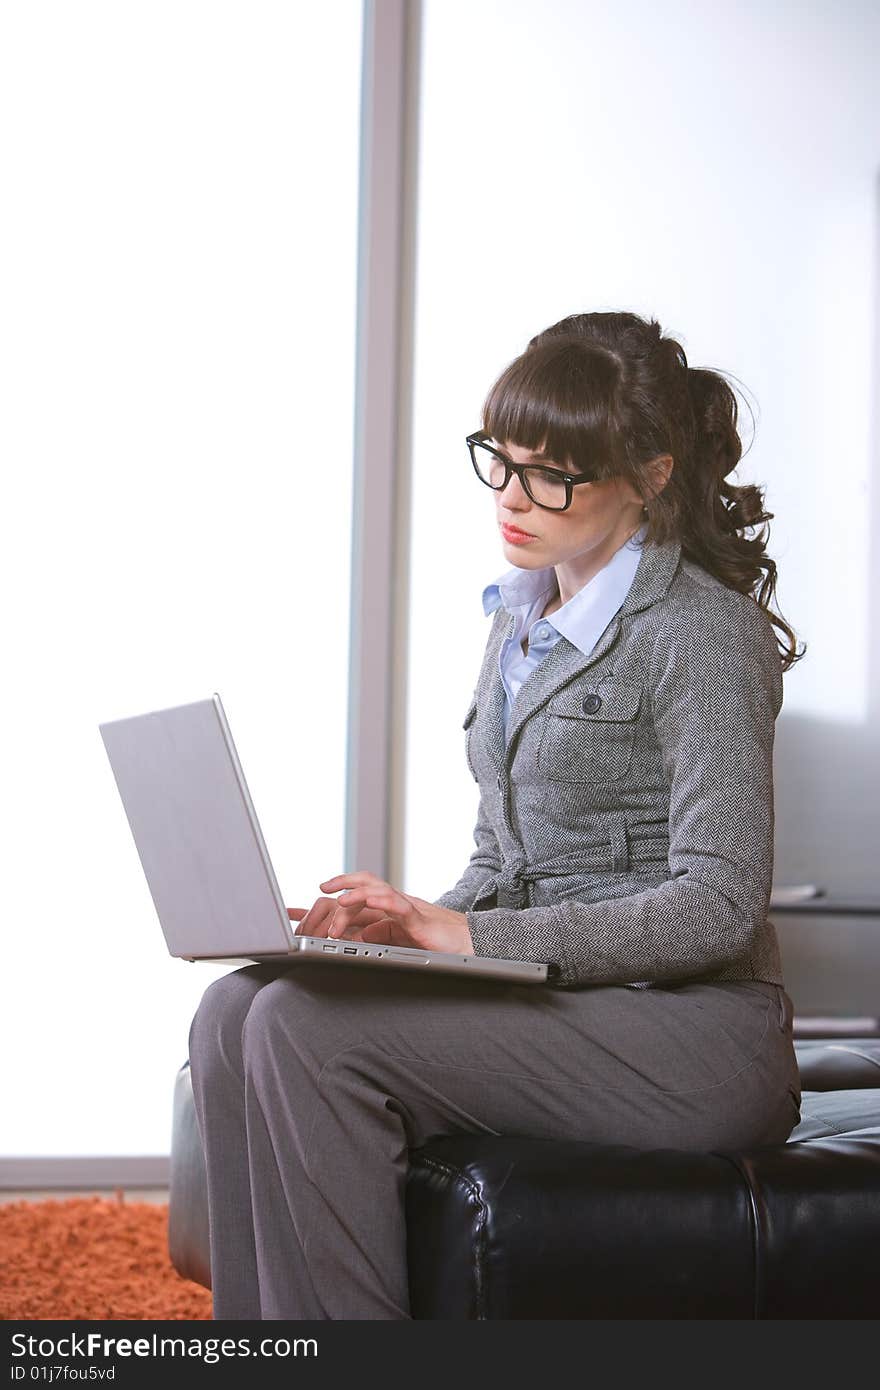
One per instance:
(381, 931)
(317, 919)
(398, 904)
(360, 879)
(347, 908)
(350, 931)
(359, 901)
(385, 932)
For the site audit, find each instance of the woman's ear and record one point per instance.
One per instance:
(658, 471)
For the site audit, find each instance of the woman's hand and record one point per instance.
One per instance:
(318, 919)
(369, 909)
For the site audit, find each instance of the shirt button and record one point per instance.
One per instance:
(543, 632)
(592, 703)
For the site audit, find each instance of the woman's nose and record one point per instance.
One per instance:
(513, 495)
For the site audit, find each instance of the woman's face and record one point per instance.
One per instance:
(602, 516)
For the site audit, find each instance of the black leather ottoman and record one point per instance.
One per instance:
(528, 1228)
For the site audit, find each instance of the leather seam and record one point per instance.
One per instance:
(755, 1223)
(854, 1052)
(457, 1176)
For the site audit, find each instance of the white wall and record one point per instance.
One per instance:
(177, 365)
(715, 167)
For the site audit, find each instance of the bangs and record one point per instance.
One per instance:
(561, 399)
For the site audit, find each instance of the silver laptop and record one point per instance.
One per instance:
(206, 863)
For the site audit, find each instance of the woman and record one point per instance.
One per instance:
(621, 733)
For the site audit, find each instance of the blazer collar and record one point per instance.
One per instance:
(655, 572)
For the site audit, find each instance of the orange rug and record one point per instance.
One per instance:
(92, 1258)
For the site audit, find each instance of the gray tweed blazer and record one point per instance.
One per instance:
(625, 831)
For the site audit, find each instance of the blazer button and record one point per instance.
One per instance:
(592, 703)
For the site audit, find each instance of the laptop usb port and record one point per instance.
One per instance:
(328, 947)
(349, 950)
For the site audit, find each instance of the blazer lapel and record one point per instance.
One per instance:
(656, 567)
(490, 688)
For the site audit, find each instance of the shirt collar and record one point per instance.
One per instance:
(518, 590)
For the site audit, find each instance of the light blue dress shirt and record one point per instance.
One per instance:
(582, 620)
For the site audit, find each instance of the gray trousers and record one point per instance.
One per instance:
(312, 1081)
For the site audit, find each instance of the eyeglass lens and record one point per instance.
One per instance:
(542, 485)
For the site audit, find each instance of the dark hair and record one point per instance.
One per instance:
(607, 392)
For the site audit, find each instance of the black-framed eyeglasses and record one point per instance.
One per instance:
(547, 487)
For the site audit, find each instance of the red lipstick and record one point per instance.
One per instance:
(515, 537)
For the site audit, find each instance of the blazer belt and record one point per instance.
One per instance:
(615, 855)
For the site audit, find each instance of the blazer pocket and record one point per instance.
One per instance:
(468, 727)
(589, 735)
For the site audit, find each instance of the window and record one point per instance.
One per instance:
(178, 327)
